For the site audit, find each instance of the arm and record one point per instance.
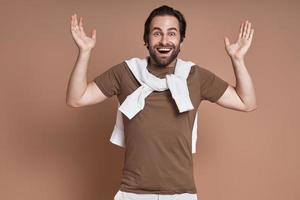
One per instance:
(79, 92)
(242, 96)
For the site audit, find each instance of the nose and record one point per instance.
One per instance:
(164, 40)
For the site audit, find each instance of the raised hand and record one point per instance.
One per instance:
(240, 47)
(83, 42)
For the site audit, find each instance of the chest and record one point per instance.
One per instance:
(159, 99)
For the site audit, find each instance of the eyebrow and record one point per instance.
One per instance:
(157, 28)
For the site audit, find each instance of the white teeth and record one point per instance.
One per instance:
(164, 49)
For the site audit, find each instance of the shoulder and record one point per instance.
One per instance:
(119, 68)
(202, 72)
(115, 72)
(197, 70)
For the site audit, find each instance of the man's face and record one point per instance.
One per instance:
(164, 40)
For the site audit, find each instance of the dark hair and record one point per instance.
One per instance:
(162, 11)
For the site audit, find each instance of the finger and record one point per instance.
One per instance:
(72, 22)
(76, 22)
(74, 26)
(240, 35)
(241, 31)
(251, 35)
(81, 25)
(244, 29)
(248, 30)
(226, 40)
(94, 34)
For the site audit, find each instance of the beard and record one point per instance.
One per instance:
(165, 60)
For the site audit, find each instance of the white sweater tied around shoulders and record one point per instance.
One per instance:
(135, 102)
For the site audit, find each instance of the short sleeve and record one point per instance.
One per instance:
(212, 86)
(109, 82)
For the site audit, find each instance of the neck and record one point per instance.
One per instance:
(172, 64)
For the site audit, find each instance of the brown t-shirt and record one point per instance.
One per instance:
(158, 139)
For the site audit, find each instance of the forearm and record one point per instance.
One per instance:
(78, 78)
(244, 85)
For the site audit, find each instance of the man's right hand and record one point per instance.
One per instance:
(83, 42)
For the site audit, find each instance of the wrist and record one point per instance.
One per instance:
(237, 59)
(85, 51)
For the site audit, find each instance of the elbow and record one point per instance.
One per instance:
(72, 104)
(251, 108)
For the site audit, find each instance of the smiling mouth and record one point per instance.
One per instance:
(164, 50)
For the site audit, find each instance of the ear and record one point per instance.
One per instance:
(181, 44)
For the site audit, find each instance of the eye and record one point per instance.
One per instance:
(156, 33)
(172, 33)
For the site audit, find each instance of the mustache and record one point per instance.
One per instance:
(162, 46)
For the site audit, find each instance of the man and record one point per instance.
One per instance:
(158, 159)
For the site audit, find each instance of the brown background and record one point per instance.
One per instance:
(51, 151)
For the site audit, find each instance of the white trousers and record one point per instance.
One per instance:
(120, 195)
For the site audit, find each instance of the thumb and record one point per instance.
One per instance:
(94, 34)
(226, 41)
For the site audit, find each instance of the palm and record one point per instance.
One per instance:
(241, 46)
(82, 40)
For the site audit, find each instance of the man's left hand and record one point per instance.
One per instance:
(238, 49)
